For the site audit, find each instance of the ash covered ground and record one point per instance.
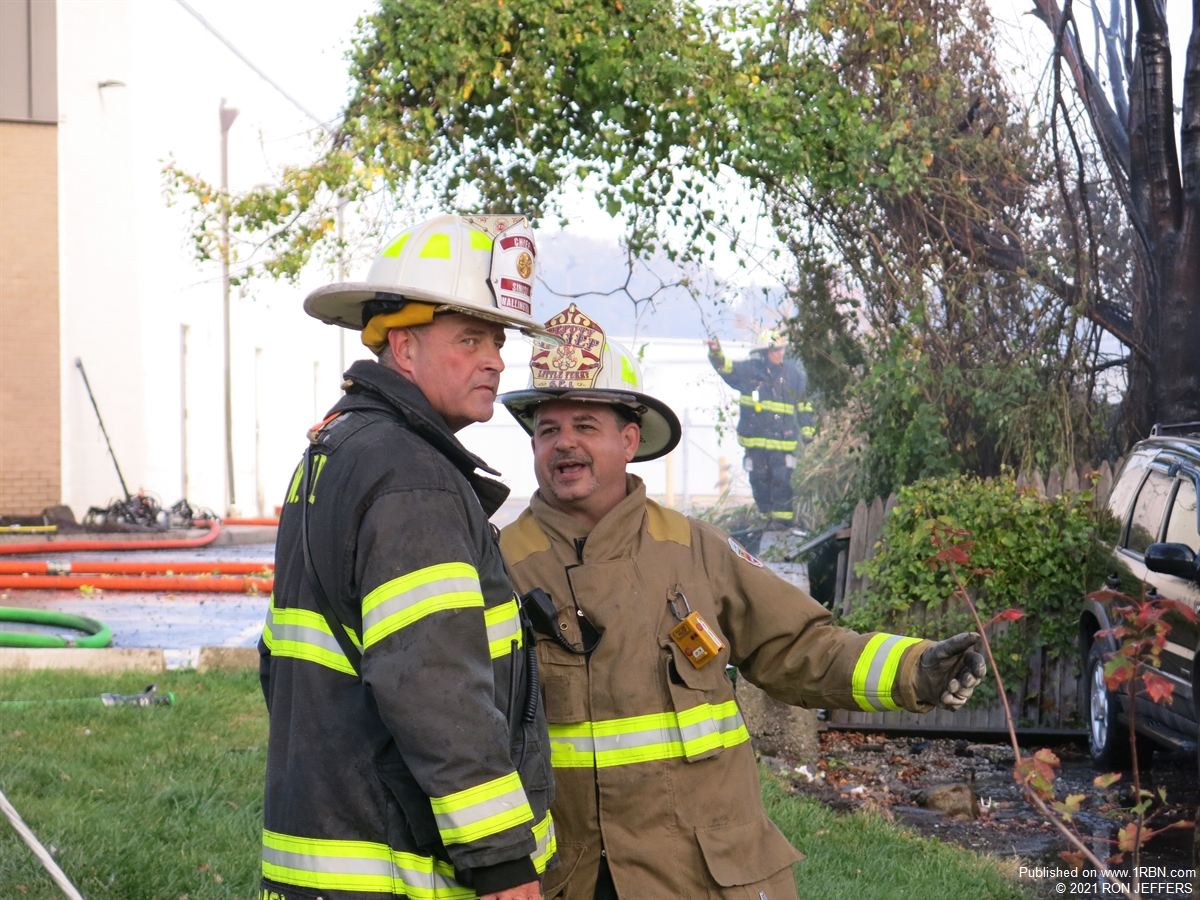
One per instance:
(901, 778)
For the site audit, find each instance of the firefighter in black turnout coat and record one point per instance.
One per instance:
(774, 419)
(408, 755)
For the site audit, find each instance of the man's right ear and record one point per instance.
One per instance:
(400, 341)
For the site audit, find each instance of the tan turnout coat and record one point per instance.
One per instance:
(653, 765)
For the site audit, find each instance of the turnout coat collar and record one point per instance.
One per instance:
(375, 386)
(613, 537)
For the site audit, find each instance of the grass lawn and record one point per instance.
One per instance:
(158, 803)
(865, 857)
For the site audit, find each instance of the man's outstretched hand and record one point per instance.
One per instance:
(714, 346)
(529, 891)
(949, 671)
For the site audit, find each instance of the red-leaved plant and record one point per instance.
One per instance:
(1142, 632)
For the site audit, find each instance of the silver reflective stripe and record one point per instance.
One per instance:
(302, 634)
(477, 812)
(730, 723)
(665, 735)
(331, 865)
(415, 595)
(701, 729)
(875, 673)
(546, 844)
(507, 628)
(581, 743)
(432, 881)
(544, 840)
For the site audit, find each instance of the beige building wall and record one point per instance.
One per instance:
(30, 430)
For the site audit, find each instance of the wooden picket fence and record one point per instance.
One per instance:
(1046, 701)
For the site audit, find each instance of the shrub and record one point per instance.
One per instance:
(1043, 555)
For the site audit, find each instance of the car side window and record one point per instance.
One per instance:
(1127, 482)
(1148, 511)
(1183, 526)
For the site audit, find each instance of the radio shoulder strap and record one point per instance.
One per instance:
(340, 632)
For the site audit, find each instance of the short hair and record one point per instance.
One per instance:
(384, 354)
(626, 416)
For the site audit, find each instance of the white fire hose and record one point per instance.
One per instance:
(39, 851)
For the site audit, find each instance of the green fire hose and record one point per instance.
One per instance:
(97, 633)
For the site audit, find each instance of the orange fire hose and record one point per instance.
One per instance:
(190, 567)
(240, 521)
(52, 546)
(149, 583)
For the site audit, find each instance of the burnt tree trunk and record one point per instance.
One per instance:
(1161, 198)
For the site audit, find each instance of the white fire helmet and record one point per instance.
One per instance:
(773, 339)
(482, 266)
(590, 367)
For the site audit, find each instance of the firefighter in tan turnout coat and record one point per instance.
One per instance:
(657, 793)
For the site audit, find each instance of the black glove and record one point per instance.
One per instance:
(949, 671)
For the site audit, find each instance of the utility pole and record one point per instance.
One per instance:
(683, 451)
(228, 115)
(341, 277)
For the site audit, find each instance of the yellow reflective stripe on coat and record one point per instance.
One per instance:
(481, 811)
(726, 365)
(304, 634)
(547, 844)
(766, 443)
(774, 406)
(405, 600)
(503, 627)
(621, 742)
(875, 671)
(363, 866)
(804, 406)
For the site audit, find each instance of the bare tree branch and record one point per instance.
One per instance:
(1109, 127)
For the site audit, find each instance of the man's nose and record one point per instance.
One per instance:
(565, 439)
(492, 360)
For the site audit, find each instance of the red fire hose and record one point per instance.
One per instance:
(240, 521)
(151, 583)
(52, 546)
(190, 567)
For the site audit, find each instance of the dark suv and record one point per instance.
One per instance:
(1157, 549)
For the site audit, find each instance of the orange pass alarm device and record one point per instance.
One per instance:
(692, 635)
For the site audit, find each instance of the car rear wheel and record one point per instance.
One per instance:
(1108, 737)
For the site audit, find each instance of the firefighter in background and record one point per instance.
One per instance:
(775, 417)
(640, 610)
(408, 756)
